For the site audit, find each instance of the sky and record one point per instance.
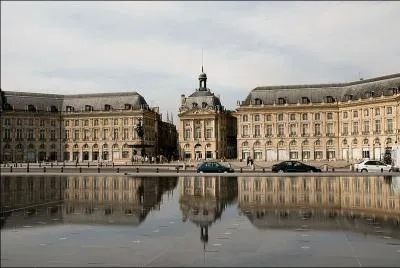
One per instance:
(155, 48)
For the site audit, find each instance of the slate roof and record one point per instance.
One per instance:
(19, 100)
(318, 93)
(200, 96)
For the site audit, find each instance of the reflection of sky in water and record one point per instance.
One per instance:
(254, 236)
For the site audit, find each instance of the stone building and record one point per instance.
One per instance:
(79, 128)
(344, 121)
(206, 129)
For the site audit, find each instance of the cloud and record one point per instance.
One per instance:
(155, 47)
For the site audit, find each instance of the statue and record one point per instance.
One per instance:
(140, 130)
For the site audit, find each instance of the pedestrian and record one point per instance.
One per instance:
(248, 160)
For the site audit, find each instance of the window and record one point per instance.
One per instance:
(53, 123)
(245, 118)
(292, 129)
(88, 108)
(245, 130)
(389, 125)
(41, 123)
(355, 128)
(330, 99)
(377, 111)
(30, 122)
(257, 117)
(96, 122)
(388, 110)
(317, 116)
(269, 117)
(257, 131)
(208, 133)
(76, 134)
(127, 106)
(329, 116)
(197, 133)
(187, 134)
(355, 114)
(107, 107)
(69, 108)
(105, 122)
(281, 101)
(366, 127)
(292, 117)
(105, 134)
(280, 117)
(305, 100)
(280, 130)
(126, 134)
(366, 112)
(304, 129)
(95, 134)
(377, 126)
(86, 123)
(304, 116)
(345, 115)
(76, 123)
(317, 129)
(345, 128)
(329, 128)
(115, 134)
(125, 121)
(269, 130)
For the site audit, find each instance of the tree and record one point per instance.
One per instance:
(387, 157)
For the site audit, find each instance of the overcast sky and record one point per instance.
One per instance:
(154, 48)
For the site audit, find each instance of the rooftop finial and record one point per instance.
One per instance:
(202, 61)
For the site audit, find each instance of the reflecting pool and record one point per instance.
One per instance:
(199, 221)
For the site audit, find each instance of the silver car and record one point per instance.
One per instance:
(372, 166)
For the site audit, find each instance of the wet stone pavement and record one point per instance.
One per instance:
(198, 221)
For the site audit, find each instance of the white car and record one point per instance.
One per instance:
(372, 166)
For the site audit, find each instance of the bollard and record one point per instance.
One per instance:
(44, 169)
(27, 167)
(156, 170)
(98, 170)
(88, 164)
(263, 170)
(62, 169)
(381, 169)
(76, 164)
(40, 164)
(177, 169)
(241, 170)
(11, 169)
(113, 164)
(137, 170)
(80, 170)
(333, 169)
(51, 164)
(117, 170)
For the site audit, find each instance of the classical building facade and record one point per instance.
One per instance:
(206, 129)
(347, 121)
(83, 127)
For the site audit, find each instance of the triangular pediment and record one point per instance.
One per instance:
(200, 111)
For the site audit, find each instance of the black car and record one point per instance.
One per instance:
(294, 166)
(213, 167)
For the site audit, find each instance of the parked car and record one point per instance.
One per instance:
(294, 166)
(372, 166)
(213, 167)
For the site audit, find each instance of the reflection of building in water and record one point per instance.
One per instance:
(21, 196)
(113, 199)
(203, 199)
(276, 202)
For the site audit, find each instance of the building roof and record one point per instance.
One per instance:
(318, 93)
(42, 102)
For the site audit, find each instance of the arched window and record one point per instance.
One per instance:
(365, 141)
(76, 146)
(30, 146)
(330, 99)
(388, 141)
(42, 146)
(53, 146)
(204, 104)
(245, 144)
(19, 146)
(317, 142)
(281, 100)
(257, 144)
(115, 146)
(305, 143)
(257, 101)
(293, 143)
(95, 146)
(354, 141)
(269, 143)
(66, 146)
(344, 142)
(281, 143)
(329, 143)
(85, 146)
(186, 146)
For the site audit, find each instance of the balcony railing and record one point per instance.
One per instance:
(345, 133)
(281, 135)
(365, 132)
(292, 135)
(305, 135)
(354, 133)
(268, 135)
(389, 132)
(330, 134)
(377, 132)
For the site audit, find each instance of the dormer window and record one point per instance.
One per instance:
(305, 100)
(31, 108)
(348, 97)
(330, 99)
(128, 106)
(281, 101)
(194, 105)
(107, 107)
(69, 108)
(88, 108)
(257, 101)
(395, 91)
(370, 94)
(53, 109)
(204, 105)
